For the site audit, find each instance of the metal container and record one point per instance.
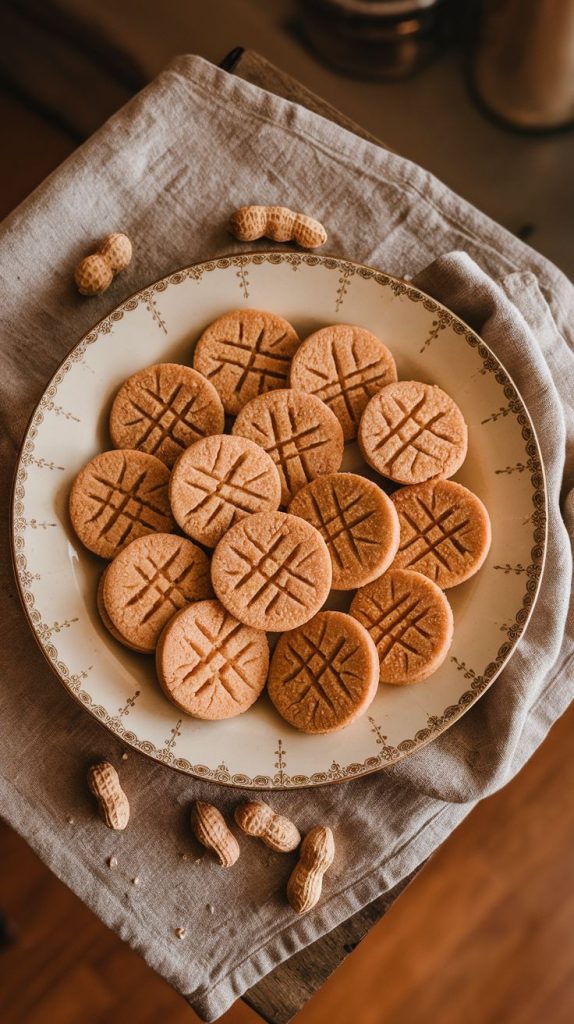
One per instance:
(386, 39)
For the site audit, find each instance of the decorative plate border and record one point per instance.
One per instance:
(478, 682)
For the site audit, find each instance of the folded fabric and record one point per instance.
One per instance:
(168, 169)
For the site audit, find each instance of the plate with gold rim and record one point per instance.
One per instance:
(57, 577)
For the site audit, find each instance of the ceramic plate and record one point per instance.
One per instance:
(58, 578)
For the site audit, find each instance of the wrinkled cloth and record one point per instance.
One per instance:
(168, 169)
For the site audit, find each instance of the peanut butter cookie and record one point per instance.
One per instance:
(324, 674)
(357, 521)
(149, 581)
(412, 432)
(344, 366)
(300, 433)
(445, 531)
(209, 664)
(245, 353)
(163, 409)
(272, 571)
(217, 482)
(108, 622)
(117, 497)
(410, 621)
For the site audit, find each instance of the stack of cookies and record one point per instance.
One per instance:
(217, 539)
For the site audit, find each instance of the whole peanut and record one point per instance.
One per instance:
(96, 272)
(306, 881)
(257, 818)
(209, 827)
(104, 783)
(278, 223)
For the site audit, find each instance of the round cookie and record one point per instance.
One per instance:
(163, 409)
(272, 571)
(344, 366)
(245, 353)
(149, 581)
(209, 664)
(217, 482)
(108, 622)
(410, 621)
(300, 433)
(324, 674)
(117, 497)
(445, 531)
(358, 523)
(411, 432)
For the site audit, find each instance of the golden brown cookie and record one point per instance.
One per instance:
(149, 581)
(107, 621)
(445, 531)
(410, 621)
(272, 571)
(324, 674)
(344, 366)
(245, 353)
(357, 521)
(163, 409)
(217, 482)
(117, 497)
(412, 432)
(209, 664)
(300, 433)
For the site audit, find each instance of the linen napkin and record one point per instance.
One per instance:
(168, 169)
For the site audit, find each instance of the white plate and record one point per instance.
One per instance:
(57, 577)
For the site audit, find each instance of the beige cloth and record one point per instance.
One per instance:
(167, 169)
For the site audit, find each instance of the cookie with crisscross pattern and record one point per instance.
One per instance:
(411, 432)
(272, 571)
(246, 353)
(357, 521)
(324, 674)
(149, 581)
(300, 433)
(117, 497)
(410, 621)
(163, 409)
(218, 481)
(344, 366)
(209, 664)
(445, 531)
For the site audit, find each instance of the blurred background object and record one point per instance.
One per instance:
(76, 61)
(523, 70)
(374, 38)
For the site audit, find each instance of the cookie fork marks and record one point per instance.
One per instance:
(412, 432)
(275, 568)
(117, 497)
(164, 408)
(298, 431)
(272, 571)
(410, 621)
(245, 354)
(219, 481)
(324, 674)
(343, 365)
(209, 664)
(170, 590)
(445, 531)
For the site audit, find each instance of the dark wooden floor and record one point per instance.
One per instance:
(485, 934)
